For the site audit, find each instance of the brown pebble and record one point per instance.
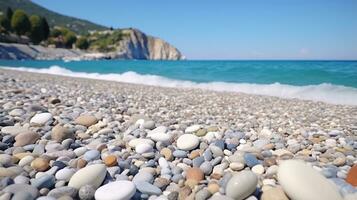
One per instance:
(167, 153)
(213, 188)
(40, 164)
(86, 120)
(194, 154)
(110, 160)
(26, 138)
(195, 174)
(352, 176)
(81, 163)
(101, 147)
(60, 133)
(274, 194)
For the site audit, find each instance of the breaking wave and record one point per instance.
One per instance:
(329, 93)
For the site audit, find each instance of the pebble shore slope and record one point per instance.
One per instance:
(76, 138)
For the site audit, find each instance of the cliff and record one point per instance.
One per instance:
(137, 45)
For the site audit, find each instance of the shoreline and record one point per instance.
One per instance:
(321, 93)
(170, 143)
(173, 92)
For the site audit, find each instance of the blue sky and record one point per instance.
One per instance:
(232, 29)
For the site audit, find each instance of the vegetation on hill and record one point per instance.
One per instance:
(37, 30)
(34, 27)
(20, 22)
(105, 41)
(76, 25)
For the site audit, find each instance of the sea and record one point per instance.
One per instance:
(333, 82)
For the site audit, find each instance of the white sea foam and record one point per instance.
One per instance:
(325, 92)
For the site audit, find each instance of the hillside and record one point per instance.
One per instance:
(54, 19)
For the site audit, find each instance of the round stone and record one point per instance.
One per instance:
(241, 185)
(167, 153)
(160, 137)
(213, 188)
(5, 160)
(80, 151)
(143, 176)
(110, 161)
(160, 129)
(65, 174)
(41, 118)
(195, 174)
(274, 194)
(19, 188)
(147, 188)
(143, 148)
(60, 133)
(81, 163)
(201, 132)
(251, 160)
(86, 192)
(26, 138)
(118, 190)
(91, 155)
(340, 161)
(137, 141)
(206, 167)
(302, 182)
(44, 181)
(63, 191)
(40, 164)
(236, 166)
(89, 175)
(86, 120)
(352, 176)
(187, 142)
(17, 112)
(192, 129)
(149, 124)
(13, 130)
(258, 169)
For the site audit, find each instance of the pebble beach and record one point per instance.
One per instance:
(76, 138)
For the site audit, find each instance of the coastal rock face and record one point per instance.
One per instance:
(137, 45)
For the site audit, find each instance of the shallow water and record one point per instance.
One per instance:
(328, 81)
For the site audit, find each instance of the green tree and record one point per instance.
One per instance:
(69, 39)
(9, 13)
(20, 23)
(82, 43)
(36, 33)
(45, 28)
(5, 25)
(56, 32)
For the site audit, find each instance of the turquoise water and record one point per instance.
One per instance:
(329, 81)
(261, 72)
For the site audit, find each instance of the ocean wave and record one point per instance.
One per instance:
(329, 93)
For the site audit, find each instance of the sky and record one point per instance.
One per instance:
(232, 29)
